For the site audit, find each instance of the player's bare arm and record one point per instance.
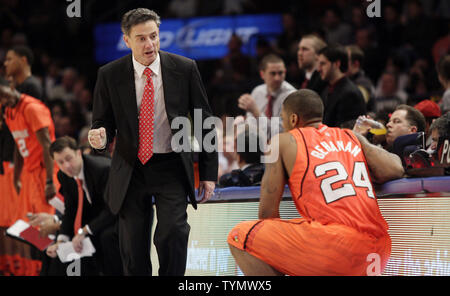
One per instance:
(384, 166)
(18, 165)
(274, 179)
(43, 137)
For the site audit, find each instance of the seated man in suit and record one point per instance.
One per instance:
(83, 180)
(344, 101)
(308, 61)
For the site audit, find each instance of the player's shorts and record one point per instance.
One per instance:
(33, 191)
(16, 258)
(301, 247)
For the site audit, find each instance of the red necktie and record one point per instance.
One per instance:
(305, 83)
(269, 106)
(146, 116)
(77, 223)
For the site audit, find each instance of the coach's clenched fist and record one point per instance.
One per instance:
(97, 138)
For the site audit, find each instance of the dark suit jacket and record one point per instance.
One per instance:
(316, 84)
(115, 109)
(96, 215)
(345, 102)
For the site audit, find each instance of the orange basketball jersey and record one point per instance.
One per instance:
(330, 181)
(27, 117)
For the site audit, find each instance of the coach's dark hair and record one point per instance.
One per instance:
(138, 16)
(62, 143)
(336, 52)
(306, 103)
(24, 51)
(413, 116)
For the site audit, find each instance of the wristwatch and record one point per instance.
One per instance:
(81, 231)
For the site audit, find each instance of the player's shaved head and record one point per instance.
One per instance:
(305, 103)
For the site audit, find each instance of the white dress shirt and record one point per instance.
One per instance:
(308, 75)
(260, 93)
(162, 134)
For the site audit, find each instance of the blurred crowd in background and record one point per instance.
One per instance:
(401, 57)
(401, 48)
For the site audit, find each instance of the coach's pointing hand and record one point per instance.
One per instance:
(97, 138)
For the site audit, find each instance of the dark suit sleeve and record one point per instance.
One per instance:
(96, 171)
(208, 161)
(70, 205)
(102, 112)
(105, 217)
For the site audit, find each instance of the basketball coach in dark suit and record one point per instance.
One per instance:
(83, 179)
(136, 98)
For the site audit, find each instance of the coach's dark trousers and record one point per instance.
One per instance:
(162, 177)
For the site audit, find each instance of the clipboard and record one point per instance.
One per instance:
(26, 233)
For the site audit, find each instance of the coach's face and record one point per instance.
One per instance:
(143, 40)
(69, 161)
